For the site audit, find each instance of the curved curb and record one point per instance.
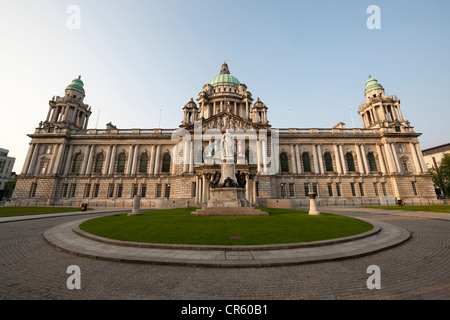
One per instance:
(384, 236)
(310, 244)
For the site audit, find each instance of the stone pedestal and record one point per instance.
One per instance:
(227, 197)
(312, 204)
(136, 206)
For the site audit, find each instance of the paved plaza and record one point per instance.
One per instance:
(416, 268)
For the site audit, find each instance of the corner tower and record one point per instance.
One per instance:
(380, 111)
(70, 111)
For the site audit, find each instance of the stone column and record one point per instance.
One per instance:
(186, 150)
(157, 160)
(388, 150)
(316, 161)
(294, 160)
(204, 185)
(366, 164)
(174, 159)
(135, 159)
(85, 160)
(338, 161)
(57, 167)
(394, 154)
(130, 157)
(107, 160)
(381, 158)
(113, 160)
(299, 163)
(33, 158)
(91, 157)
(341, 153)
(420, 156)
(26, 163)
(360, 160)
(68, 160)
(319, 152)
(54, 156)
(191, 157)
(152, 160)
(264, 154)
(258, 156)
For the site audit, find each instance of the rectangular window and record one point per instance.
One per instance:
(375, 187)
(134, 191)
(73, 189)
(111, 190)
(119, 190)
(87, 190)
(338, 189)
(167, 191)
(330, 190)
(383, 187)
(194, 189)
(306, 190)
(33, 190)
(257, 188)
(413, 183)
(95, 191)
(158, 190)
(352, 186)
(361, 189)
(143, 190)
(315, 190)
(64, 190)
(291, 190)
(283, 190)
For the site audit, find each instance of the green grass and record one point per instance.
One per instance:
(17, 211)
(430, 208)
(177, 226)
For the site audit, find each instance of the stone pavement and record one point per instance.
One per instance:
(69, 238)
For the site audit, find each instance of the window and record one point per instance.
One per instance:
(284, 162)
(361, 189)
(405, 166)
(352, 186)
(158, 191)
(111, 190)
(257, 188)
(383, 187)
(95, 192)
(400, 148)
(397, 129)
(33, 190)
(119, 190)
(99, 163)
(291, 190)
(143, 191)
(413, 183)
(167, 191)
(87, 190)
(194, 189)
(330, 190)
(375, 188)
(306, 187)
(306, 162)
(372, 162)
(76, 165)
(328, 162)
(166, 163)
(134, 190)
(121, 163)
(350, 162)
(283, 191)
(43, 167)
(338, 189)
(315, 190)
(64, 190)
(73, 189)
(143, 163)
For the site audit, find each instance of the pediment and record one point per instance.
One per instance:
(227, 120)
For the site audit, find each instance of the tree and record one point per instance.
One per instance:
(441, 175)
(9, 187)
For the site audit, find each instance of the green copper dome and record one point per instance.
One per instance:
(76, 85)
(224, 77)
(372, 84)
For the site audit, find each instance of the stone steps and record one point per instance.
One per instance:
(229, 211)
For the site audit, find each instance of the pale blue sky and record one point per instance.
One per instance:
(137, 57)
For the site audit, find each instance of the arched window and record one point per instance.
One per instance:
(121, 163)
(350, 161)
(143, 163)
(166, 163)
(372, 162)
(76, 165)
(99, 163)
(284, 162)
(328, 161)
(306, 162)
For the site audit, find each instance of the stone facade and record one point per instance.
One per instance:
(69, 164)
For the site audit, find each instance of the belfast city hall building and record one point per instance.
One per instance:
(69, 164)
